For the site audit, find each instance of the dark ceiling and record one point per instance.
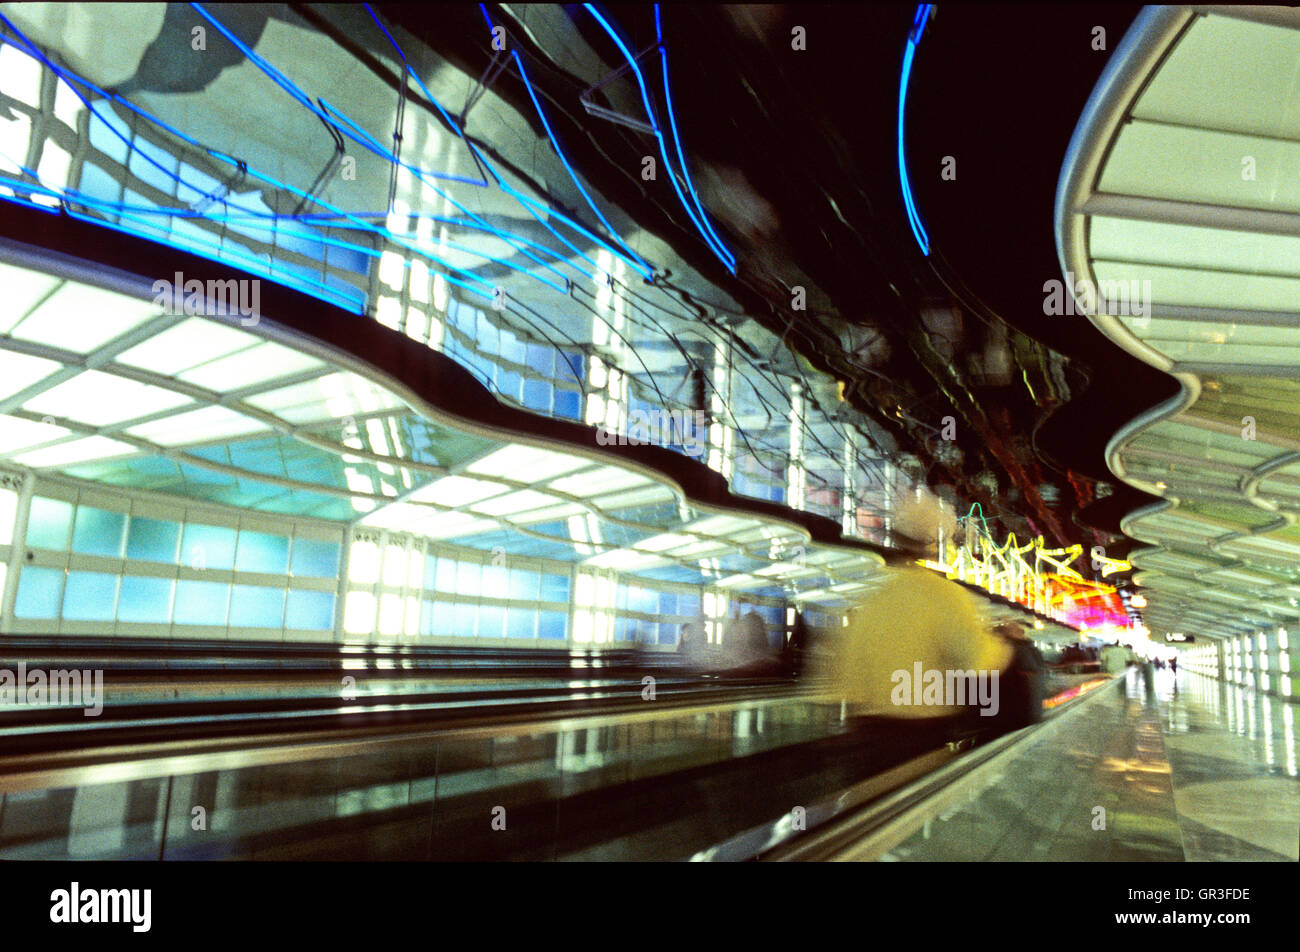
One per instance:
(795, 155)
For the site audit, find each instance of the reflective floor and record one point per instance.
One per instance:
(1185, 769)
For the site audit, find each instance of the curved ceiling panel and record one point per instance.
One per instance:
(1177, 225)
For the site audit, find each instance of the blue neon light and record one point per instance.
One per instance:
(723, 255)
(913, 216)
(672, 122)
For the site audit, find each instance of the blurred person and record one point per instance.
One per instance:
(1023, 682)
(691, 644)
(796, 648)
(919, 626)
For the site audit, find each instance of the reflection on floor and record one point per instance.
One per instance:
(1190, 769)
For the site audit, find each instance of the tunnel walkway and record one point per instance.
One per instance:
(1191, 770)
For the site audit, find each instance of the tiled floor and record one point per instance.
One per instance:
(1191, 770)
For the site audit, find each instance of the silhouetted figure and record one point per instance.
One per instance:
(797, 647)
(1021, 684)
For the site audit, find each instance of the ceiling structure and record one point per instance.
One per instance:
(584, 209)
(137, 397)
(1179, 203)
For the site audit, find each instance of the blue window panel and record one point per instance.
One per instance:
(577, 362)
(552, 626)
(688, 605)
(201, 603)
(668, 603)
(39, 593)
(262, 552)
(541, 359)
(444, 614)
(198, 185)
(462, 624)
(347, 259)
(208, 547)
(568, 404)
(430, 572)
(468, 578)
(521, 623)
(447, 575)
(309, 611)
(148, 172)
(491, 621)
(97, 183)
(145, 599)
(644, 600)
(508, 383)
(523, 585)
(316, 559)
(495, 580)
(49, 523)
(512, 348)
(555, 588)
(426, 617)
(623, 630)
(152, 539)
(257, 606)
(90, 596)
(98, 532)
(668, 633)
(537, 395)
(102, 138)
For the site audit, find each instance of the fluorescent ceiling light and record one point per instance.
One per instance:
(526, 463)
(23, 287)
(17, 433)
(186, 345)
(99, 399)
(78, 451)
(260, 364)
(197, 426)
(82, 319)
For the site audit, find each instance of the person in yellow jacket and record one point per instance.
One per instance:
(902, 641)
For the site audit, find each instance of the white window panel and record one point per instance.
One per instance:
(100, 399)
(526, 462)
(649, 496)
(22, 288)
(550, 514)
(185, 346)
(78, 451)
(512, 503)
(53, 170)
(457, 491)
(664, 542)
(454, 525)
(330, 397)
(603, 479)
(17, 433)
(67, 107)
(197, 426)
(19, 371)
(260, 364)
(626, 560)
(80, 318)
(22, 75)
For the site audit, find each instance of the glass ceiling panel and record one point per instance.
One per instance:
(1225, 74)
(1196, 165)
(1186, 246)
(187, 345)
(81, 318)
